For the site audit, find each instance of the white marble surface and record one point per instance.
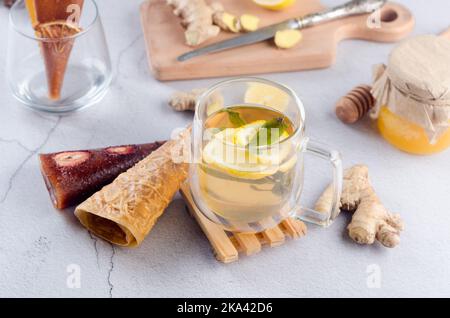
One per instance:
(37, 243)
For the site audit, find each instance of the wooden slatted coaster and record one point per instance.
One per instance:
(227, 246)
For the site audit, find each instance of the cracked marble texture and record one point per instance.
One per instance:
(38, 243)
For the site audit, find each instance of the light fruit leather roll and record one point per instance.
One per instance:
(125, 211)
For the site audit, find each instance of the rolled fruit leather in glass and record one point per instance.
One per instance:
(413, 95)
(57, 21)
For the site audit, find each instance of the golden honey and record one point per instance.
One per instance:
(408, 136)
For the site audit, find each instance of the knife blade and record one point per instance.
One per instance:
(355, 7)
(246, 39)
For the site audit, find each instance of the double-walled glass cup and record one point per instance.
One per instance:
(57, 65)
(246, 189)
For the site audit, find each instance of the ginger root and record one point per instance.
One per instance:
(203, 22)
(371, 220)
(185, 101)
(229, 22)
(197, 18)
(287, 39)
(249, 23)
(226, 21)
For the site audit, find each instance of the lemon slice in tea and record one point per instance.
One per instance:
(221, 153)
(246, 133)
(227, 152)
(267, 95)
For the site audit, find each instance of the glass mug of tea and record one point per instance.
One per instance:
(248, 146)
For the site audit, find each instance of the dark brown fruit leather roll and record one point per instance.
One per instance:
(73, 176)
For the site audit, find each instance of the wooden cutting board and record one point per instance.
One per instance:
(164, 37)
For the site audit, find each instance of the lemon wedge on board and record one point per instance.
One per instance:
(274, 4)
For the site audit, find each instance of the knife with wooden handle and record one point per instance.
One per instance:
(355, 7)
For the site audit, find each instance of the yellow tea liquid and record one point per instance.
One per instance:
(248, 184)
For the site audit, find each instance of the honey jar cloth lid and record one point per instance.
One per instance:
(416, 84)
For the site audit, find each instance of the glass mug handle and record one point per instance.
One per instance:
(310, 215)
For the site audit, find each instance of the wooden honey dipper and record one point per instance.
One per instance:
(355, 105)
(358, 102)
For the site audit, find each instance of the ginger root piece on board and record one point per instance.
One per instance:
(249, 23)
(125, 211)
(72, 176)
(287, 39)
(371, 220)
(197, 18)
(50, 20)
(226, 21)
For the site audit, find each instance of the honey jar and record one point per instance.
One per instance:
(413, 95)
